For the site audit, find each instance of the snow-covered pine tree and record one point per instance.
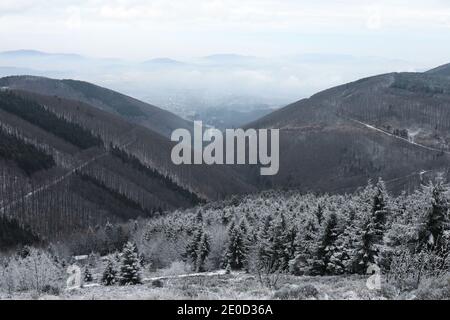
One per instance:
(325, 261)
(87, 275)
(236, 249)
(372, 227)
(319, 213)
(228, 269)
(199, 217)
(203, 252)
(366, 245)
(109, 237)
(247, 239)
(290, 247)
(380, 210)
(243, 226)
(109, 276)
(305, 248)
(130, 265)
(264, 252)
(436, 221)
(273, 243)
(348, 240)
(191, 253)
(278, 243)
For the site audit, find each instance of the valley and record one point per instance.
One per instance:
(361, 179)
(332, 142)
(88, 149)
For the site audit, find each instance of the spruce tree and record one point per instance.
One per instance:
(264, 248)
(130, 265)
(436, 222)
(109, 276)
(203, 252)
(191, 253)
(379, 211)
(319, 213)
(370, 234)
(243, 226)
(281, 238)
(109, 233)
(290, 247)
(199, 218)
(325, 259)
(304, 248)
(366, 245)
(273, 255)
(87, 275)
(236, 251)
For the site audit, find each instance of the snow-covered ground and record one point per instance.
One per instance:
(218, 286)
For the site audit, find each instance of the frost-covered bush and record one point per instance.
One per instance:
(157, 283)
(296, 292)
(434, 289)
(37, 271)
(408, 269)
(176, 268)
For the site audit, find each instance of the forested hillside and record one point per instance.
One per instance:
(273, 242)
(441, 71)
(306, 234)
(66, 166)
(154, 118)
(396, 126)
(27, 157)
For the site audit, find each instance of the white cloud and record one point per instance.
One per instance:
(374, 18)
(74, 18)
(144, 28)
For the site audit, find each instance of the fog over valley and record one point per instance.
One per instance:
(223, 90)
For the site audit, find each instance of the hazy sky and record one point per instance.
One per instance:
(414, 30)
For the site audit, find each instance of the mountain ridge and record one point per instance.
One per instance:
(126, 176)
(391, 125)
(129, 108)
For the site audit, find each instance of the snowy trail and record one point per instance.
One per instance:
(397, 137)
(180, 276)
(371, 127)
(187, 275)
(60, 179)
(420, 173)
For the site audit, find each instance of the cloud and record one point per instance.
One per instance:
(144, 28)
(74, 18)
(374, 18)
(276, 14)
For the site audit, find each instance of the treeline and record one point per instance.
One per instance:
(154, 174)
(27, 157)
(421, 83)
(43, 118)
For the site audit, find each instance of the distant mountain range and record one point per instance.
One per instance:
(222, 83)
(36, 53)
